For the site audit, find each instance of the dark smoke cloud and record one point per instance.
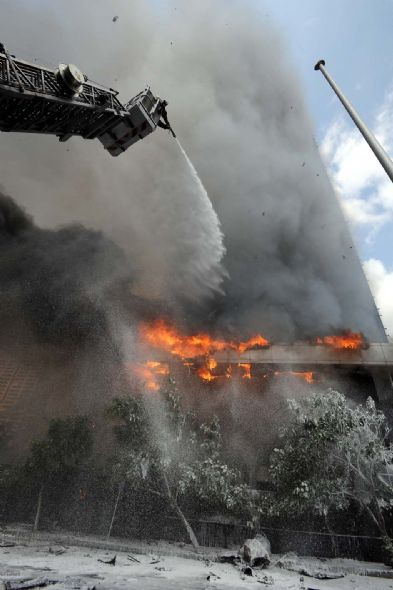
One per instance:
(13, 220)
(63, 292)
(59, 283)
(237, 107)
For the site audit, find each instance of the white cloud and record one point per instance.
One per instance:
(381, 284)
(365, 191)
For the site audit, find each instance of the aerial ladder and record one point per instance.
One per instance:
(64, 102)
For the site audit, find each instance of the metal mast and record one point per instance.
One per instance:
(372, 141)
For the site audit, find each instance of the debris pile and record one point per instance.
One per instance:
(256, 552)
(320, 570)
(253, 555)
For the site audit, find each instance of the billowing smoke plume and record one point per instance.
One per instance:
(63, 292)
(236, 106)
(117, 239)
(56, 284)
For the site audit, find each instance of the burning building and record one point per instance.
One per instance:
(244, 382)
(247, 382)
(243, 298)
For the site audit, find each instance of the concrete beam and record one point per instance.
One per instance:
(375, 355)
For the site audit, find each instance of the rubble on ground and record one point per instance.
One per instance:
(253, 555)
(57, 550)
(320, 570)
(161, 565)
(256, 552)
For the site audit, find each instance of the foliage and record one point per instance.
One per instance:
(210, 480)
(387, 547)
(67, 445)
(8, 473)
(131, 420)
(3, 436)
(331, 456)
(167, 452)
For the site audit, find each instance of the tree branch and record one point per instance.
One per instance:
(159, 494)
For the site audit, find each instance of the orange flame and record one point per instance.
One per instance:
(253, 342)
(348, 341)
(205, 372)
(149, 372)
(306, 375)
(246, 370)
(159, 334)
(196, 352)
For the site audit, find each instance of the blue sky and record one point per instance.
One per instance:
(355, 38)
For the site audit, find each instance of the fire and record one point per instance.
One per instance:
(159, 334)
(306, 375)
(149, 373)
(246, 370)
(205, 372)
(158, 368)
(196, 352)
(167, 337)
(254, 341)
(348, 341)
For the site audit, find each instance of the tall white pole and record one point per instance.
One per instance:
(372, 141)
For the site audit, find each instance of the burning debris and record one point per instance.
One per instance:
(346, 341)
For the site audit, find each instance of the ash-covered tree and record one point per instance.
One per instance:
(3, 445)
(333, 455)
(165, 452)
(58, 458)
(3, 436)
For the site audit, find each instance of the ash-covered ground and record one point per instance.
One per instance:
(69, 567)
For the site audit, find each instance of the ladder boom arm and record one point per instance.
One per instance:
(63, 102)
